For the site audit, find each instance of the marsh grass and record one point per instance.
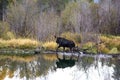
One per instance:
(90, 46)
(19, 43)
(103, 49)
(110, 44)
(50, 45)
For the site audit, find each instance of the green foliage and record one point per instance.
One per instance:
(5, 32)
(111, 41)
(90, 0)
(70, 7)
(90, 46)
(4, 27)
(57, 5)
(111, 44)
(114, 50)
(10, 35)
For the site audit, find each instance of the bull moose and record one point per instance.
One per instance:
(64, 43)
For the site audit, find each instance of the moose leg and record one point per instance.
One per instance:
(63, 48)
(57, 48)
(71, 50)
(63, 53)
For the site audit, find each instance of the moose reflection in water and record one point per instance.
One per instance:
(63, 63)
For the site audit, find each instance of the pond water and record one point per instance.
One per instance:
(49, 67)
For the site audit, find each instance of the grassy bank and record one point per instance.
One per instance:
(110, 44)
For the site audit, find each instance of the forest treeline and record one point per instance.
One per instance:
(41, 19)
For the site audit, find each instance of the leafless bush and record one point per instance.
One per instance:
(47, 25)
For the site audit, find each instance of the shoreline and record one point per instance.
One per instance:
(34, 52)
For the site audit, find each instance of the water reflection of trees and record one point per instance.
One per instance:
(22, 69)
(115, 63)
(116, 70)
(39, 65)
(87, 63)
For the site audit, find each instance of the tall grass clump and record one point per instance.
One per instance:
(111, 42)
(103, 49)
(90, 46)
(50, 45)
(19, 43)
(114, 50)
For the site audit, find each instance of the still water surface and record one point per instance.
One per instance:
(48, 67)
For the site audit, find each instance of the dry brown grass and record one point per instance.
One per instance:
(19, 43)
(51, 45)
(110, 43)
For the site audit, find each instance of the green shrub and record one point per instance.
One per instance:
(103, 49)
(90, 46)
(8, 35)
(113, 50)
(68, 12)
(5, 32)
(50, 45)
(111, 41)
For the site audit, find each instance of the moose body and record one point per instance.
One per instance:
(65, 43)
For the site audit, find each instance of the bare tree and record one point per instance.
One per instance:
(47, 25)
(26, 19)
(22, 17)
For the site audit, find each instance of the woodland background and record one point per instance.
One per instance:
(40, 19)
